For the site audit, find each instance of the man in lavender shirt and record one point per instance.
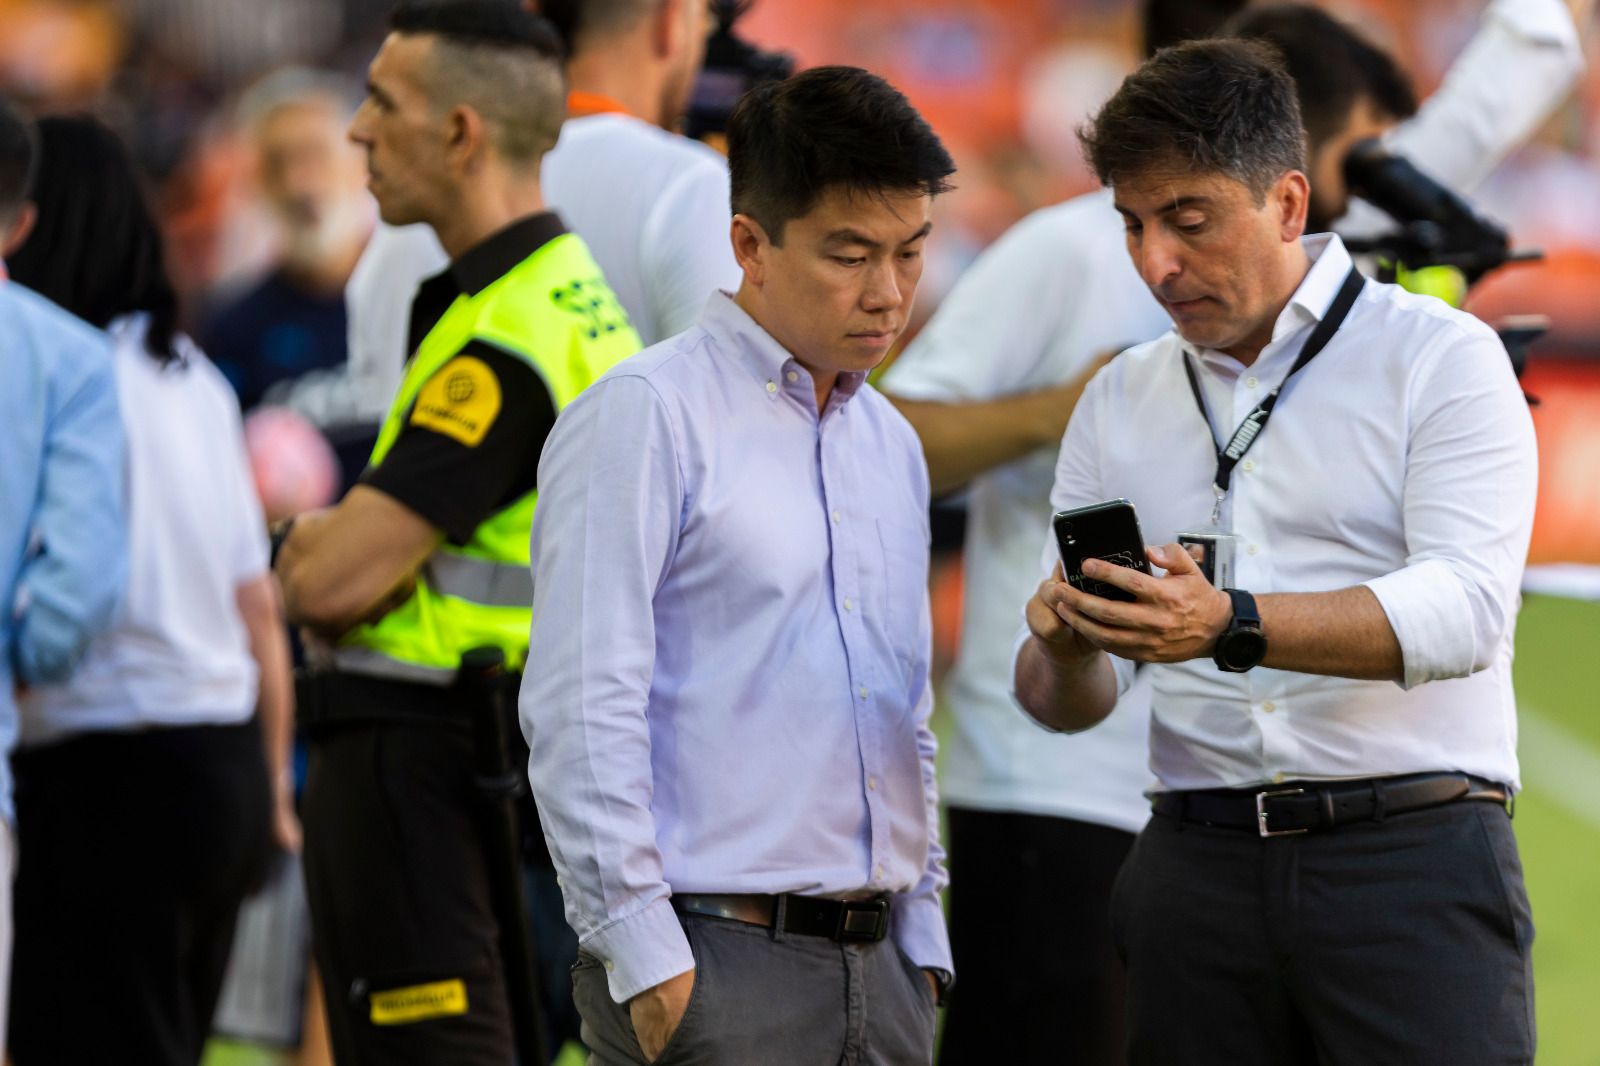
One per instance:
(727, 692)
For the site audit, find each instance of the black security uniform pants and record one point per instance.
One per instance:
(1039, 979)
(402, 916)
(1401, 941)
(134, 852)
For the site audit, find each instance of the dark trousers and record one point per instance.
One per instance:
(134, 853)
(1038, 979)
(774, 1000)
(403, 923)
(1402, 941)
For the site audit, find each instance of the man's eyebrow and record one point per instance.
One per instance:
(377, 93)
(1178, 204)
(853, 236)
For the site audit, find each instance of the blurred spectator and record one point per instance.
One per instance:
(62, 551)
(292, 321)
(145, 802)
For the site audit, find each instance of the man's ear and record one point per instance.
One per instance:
(15, 235)
(466, 137)
(751, 248)
(667, 28)
(1292, 194)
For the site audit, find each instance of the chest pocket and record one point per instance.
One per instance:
(903, 581)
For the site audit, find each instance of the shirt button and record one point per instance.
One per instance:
(1278, 778)
(792, 376)
(1269, 706)
(877, 871)
(849, 605)
(610, 965)
(862, 692)
(1252, 549)
(772, 386)
(1248, 465)
(872, 784)
(837, 518)
(1251, 382)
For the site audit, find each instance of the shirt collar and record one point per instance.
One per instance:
(1330, 264)
(493, 257)
(772, 366)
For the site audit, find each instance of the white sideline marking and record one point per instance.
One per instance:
(1562, 767)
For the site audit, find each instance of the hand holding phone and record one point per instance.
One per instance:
(1108, 531)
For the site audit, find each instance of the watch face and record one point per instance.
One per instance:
(1241, 649)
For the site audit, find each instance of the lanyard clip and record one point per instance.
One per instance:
(1218, 494)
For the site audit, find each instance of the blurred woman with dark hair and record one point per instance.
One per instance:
(144, 802)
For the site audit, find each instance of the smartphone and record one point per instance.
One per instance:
(1108, 531)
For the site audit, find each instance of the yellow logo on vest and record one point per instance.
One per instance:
(402, 1006)
(460, 401)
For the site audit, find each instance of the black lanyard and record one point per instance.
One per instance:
(1256, 421)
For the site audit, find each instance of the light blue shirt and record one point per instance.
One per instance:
(63, 546)
(727, 685)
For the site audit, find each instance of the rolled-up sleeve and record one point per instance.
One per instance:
(73, 582)
(1471, 478)
(604, 531)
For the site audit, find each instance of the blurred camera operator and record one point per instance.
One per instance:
(989, 385)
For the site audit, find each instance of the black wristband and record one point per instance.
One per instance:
(280, 533)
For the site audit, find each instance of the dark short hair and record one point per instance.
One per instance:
(581, 22)
(19, 151)
(790, 141)
(96, 249)
(496, 23)
(1332, 66)
(1165, 23)
(1224, 106)
(504, 62)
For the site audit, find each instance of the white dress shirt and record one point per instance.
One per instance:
(652, 207)
(1402, 458)
(1036, 308)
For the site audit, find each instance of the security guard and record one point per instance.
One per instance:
(428, 556)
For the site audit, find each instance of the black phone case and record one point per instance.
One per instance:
(1108, 531)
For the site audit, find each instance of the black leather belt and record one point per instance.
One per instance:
(846, 920)
(1307, 806)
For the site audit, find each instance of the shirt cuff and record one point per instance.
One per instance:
(919, 930)
(641, 950)
(47, 645)
(1431, 618)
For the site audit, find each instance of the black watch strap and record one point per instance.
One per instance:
(1245, 612)
(1242, 645)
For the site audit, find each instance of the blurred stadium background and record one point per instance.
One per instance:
(1004, 82)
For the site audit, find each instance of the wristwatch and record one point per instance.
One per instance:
(1242, 645)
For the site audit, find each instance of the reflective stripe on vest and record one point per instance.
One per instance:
(479, 580)
(481, 592)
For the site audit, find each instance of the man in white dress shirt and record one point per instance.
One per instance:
(1330, 875)
(995, 374)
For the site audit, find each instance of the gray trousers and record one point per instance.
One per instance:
(1404, 941)
(762, 999)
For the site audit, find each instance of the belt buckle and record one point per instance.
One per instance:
(1261, 812)
(863, 920)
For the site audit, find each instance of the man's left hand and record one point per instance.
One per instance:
(1175, 618)
(933, 984)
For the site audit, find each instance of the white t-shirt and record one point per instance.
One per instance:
(178, 652)
(1401, 458)
(1034, 310)
(652, 207)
